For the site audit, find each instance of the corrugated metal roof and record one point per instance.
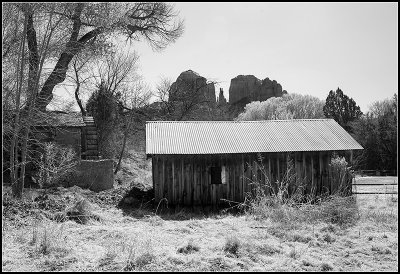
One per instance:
(219, 137)
(59, 119)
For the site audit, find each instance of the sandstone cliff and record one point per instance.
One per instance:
(221, 101)
(190, 84)
(247, 88)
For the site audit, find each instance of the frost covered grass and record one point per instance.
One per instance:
(214, 242)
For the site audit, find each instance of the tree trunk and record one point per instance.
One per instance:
(33, 75)
(123, 145)
(14, 162)
(59, 73)
(121, 154)
(83, 111)
(78, 85)
(33, 84)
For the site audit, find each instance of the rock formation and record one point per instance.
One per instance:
(221, 101)
(247, 88)
(190, 85)
(196, 96)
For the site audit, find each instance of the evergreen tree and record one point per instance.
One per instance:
(103, 106)
(341, 108)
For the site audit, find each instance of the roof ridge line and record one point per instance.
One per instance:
(252, 121)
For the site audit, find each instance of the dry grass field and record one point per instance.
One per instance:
(135, 238)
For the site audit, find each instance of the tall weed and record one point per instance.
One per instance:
(49, 238)
(54, 164)
(341, 174)
(285, 201)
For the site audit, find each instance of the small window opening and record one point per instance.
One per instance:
(218, 175)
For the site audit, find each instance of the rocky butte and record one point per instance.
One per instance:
(190, 88)
(190, 85)
(221, 100)
(247, 88)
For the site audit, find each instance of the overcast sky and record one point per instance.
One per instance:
(309, 48)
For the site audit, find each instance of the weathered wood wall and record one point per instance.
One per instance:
(67, 136)
(186, 179)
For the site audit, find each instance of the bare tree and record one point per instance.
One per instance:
(78, 65)
(15, 130)
(133, 105)
(162, 93)
(117, 71)
(153, 22)
(49, 36)
(117, 79)
(22, 120)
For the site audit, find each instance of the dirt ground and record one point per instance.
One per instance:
(133, 237)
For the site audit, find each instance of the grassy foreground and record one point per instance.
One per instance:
(137, 239)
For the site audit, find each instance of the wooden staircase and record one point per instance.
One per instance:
(90, 140)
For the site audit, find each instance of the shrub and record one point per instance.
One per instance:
(81, 212)
(326, 267)
(381, 250)
(329, 228)
(130, 263)
(218, 264)
(189, 248)
(277, 232)
(382, 217)
(45, 243)
(139, 254)
(275, 200)
(49, 239)
(341, 175)
(154, 220)
(293, 253)
(232, 245)
(268, 249)
(340, 210)
(285, 202)
(110, 255)
(144, 259)
(328, 238)
(300, 238)
(55, 163)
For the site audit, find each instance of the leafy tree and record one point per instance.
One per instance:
(365, 131)
(376, 131)
(341, 108)
(289, 106)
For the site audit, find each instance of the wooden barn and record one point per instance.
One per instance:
(69, 129)
(203, 163)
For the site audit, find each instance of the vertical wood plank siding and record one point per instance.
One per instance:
(186, 179)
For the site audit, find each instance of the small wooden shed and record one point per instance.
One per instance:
(206, 162)
(69, 129)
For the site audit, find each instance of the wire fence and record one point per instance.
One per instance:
(375, 185)
(374, 172)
